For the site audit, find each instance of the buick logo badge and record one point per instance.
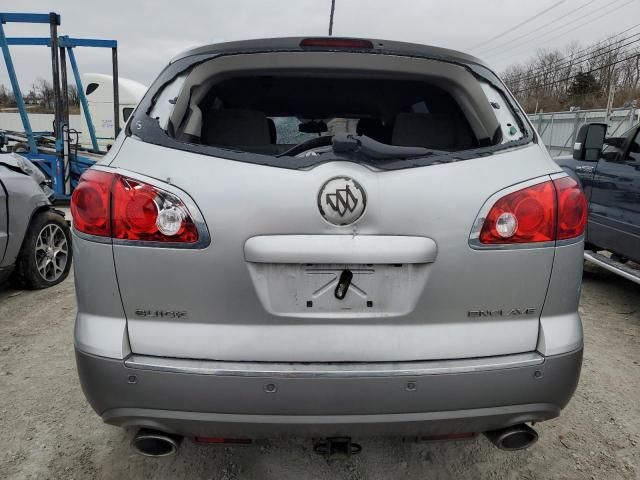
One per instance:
(342, 201)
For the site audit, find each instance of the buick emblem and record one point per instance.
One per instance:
(342, 201)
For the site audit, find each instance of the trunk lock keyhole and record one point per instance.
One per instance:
(343, 284)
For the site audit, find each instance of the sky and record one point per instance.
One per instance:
(150, 33)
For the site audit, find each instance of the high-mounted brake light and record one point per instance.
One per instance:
(111, 205)
(336, 43)
(548, 211)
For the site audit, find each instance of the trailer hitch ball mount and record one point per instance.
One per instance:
(342, 446)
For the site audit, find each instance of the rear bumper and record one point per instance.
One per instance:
(202, 401)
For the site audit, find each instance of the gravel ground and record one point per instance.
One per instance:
(49, 431)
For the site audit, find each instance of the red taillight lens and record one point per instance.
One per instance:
(107, 204)
(337, 43)
(548, 211)
(529, 215)
(572, 208)
(90, 203)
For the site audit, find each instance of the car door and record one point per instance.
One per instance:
(614, 222)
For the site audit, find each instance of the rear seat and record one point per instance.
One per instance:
(437, 131)
(237, 128)
(374, 128)
(252, 131)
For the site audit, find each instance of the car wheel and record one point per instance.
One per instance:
(45, 257)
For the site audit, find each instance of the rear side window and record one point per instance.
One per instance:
(126, 113)
(279, 113)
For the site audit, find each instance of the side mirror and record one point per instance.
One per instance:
(616, 142)
(589, 142)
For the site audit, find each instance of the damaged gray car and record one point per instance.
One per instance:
(35, 239)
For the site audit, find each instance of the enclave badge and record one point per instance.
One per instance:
(502, 312)
(342, 201)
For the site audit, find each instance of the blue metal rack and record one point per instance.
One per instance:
(53, 20)
(80, 163)
(65, 165)
(69, 44)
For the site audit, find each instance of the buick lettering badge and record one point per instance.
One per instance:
(342, 201)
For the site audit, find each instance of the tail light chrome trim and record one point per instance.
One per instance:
(204, 238)
(474, 237)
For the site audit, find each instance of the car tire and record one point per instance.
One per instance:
(45, 256)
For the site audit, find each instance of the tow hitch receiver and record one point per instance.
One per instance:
(336, 446)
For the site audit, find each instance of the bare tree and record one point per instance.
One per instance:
(74, 98)
(6, 97)
(44, 91)
(555, 79)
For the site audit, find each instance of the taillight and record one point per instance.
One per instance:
(90, 203)
(524, 216)
(572, 208)
(112, 205)
(140, 211)
(548, 211)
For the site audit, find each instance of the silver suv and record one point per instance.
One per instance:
(327, 237)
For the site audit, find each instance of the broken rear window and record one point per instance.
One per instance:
(404, 108)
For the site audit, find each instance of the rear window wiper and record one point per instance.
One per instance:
(314, 142)
(367, 146)
(349, 144)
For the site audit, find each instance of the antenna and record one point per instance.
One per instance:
(333, 9)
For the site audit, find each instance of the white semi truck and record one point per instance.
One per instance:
(99, 91)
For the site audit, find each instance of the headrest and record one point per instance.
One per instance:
(373, 128)
(425, 130)
(235, 127)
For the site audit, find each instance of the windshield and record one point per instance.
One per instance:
(288, 129)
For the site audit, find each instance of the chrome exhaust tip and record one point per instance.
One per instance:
(513, 438)
(152, 443)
